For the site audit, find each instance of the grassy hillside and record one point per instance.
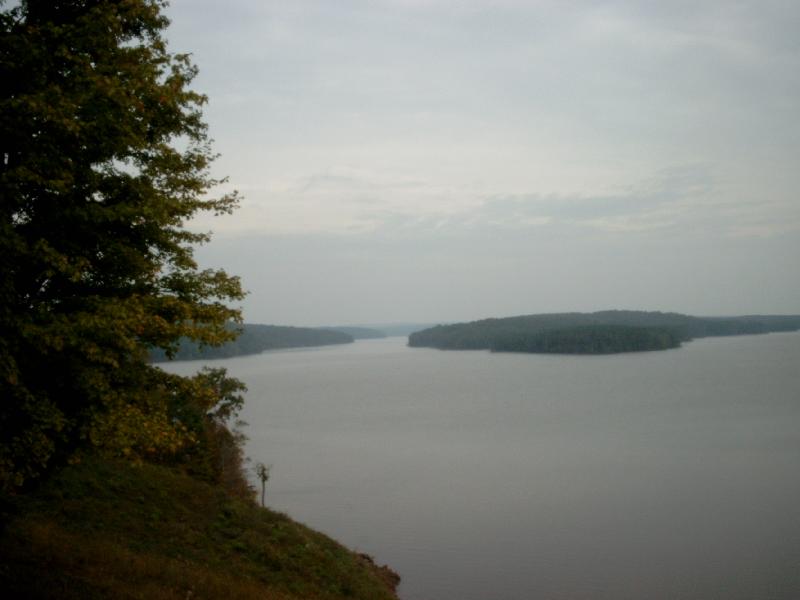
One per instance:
(110, 530)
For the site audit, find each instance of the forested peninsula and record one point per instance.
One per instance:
(255, 339)
(604, 332)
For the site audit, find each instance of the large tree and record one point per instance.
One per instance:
(105, 157)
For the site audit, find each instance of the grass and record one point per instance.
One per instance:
(110, 530)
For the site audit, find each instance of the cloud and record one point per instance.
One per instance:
(681, 200)
(467, 146)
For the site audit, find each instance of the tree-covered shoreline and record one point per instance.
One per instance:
(589, 339)
(604, 332)
(254, 339)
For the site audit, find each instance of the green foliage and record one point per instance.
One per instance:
(254, 339)
(593, 333)
(104, 158)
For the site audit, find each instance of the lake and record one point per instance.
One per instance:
(481, 476)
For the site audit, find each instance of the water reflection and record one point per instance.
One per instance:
(498, 476)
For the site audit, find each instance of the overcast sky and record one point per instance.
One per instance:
(431, 160)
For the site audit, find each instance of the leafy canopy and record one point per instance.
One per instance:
(105, 156)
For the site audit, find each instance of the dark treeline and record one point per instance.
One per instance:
(602, 332)
(589, 339)
(255, 339)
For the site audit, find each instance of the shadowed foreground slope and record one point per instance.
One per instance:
(109, 530)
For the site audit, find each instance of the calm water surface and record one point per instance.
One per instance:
(501, 476)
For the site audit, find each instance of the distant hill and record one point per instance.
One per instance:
(255, 339)
(358, 333)
(604, 332)
(399, 329)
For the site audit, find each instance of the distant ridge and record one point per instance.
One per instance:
(358, 332)
(603, 332)
(400, 329)
(384, 329)
(255, 339)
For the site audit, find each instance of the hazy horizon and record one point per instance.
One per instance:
(434, 322)
(426, 160)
